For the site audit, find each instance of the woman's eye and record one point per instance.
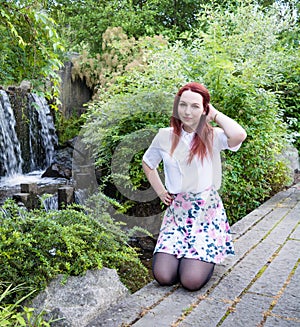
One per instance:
(195, 107)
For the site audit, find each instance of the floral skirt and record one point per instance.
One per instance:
(195, 226)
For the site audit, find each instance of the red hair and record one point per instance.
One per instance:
(203, 138)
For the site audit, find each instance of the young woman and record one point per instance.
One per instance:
(195, 234)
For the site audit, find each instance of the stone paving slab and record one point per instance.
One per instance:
(279, 322)
(249, 311)
(133, 307)
(296, 234)
(177, 302)
(258, 214)
(276, 274)
(255, 305)
(259, 286)
(288, 305)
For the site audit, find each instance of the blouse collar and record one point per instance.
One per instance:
(187, 136)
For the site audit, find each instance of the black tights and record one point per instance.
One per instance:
(191, 273)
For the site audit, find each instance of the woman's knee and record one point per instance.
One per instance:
(194, 275)
(165, 276)
(166, 280)
(193, 284)
(165, 269)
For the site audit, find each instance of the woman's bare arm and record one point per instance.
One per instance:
(156, 183)
(233, 130)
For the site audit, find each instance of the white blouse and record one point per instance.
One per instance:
(180, 176)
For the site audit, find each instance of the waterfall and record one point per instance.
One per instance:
(51, 202)
(27, 133)
(10, 150)
(42, 133)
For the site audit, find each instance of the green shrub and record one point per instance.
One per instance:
(37, 245)
(289, 95)
(241, 56)
(129, 120)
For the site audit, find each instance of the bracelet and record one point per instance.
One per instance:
(215, 117)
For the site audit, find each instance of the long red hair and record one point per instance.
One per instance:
(202, 142)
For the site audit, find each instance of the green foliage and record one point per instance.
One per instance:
(164, 69)
(36, 246)
(15, 314)
(67, 128)
(119, 54)
(30, 46)
(83, 23)
(116, 122)
(242, 57)
(289, 94)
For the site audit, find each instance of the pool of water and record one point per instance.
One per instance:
(12, 184)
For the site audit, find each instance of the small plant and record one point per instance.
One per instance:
(67, 128)
(15, 314)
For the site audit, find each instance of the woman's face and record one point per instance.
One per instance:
(190, 109)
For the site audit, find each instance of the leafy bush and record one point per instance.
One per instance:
(119, 53)
(289, 95)
(119, 118)
(37, 245)
(238, 55)
(125, 127)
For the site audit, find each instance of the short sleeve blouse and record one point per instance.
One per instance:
(181, 176)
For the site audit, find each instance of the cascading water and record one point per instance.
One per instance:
(27, 135)
(42, 133)
(51, 202)
(10, 150)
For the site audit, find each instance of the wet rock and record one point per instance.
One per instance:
(57, 170)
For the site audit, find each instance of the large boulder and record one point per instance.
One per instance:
(78, 300)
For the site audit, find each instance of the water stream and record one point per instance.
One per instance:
(27, 140)
(43, 137)
(10, 149)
